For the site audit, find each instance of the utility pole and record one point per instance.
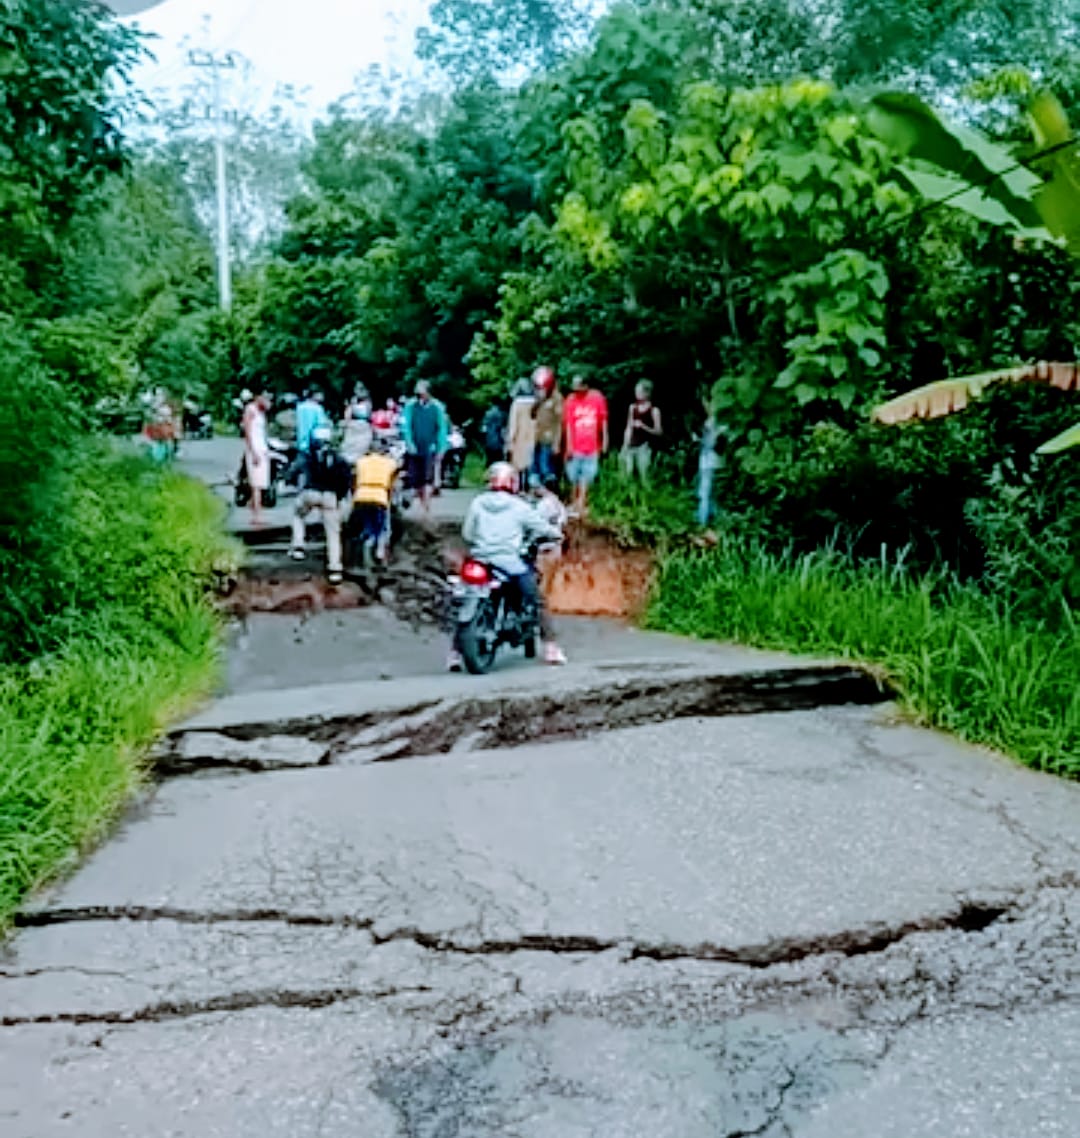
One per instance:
(216, 64)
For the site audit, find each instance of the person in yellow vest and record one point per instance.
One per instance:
(373, 488)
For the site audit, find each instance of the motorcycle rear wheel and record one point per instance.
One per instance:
(479, 640)
(451, 472)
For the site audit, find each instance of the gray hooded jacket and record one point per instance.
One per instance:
(499, 526)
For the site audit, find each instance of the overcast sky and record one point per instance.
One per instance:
(316, 44)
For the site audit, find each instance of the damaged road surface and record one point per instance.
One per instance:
(653, 899)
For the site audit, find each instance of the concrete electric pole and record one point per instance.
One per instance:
(216, 64)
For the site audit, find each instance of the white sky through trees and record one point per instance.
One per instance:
(318, 45)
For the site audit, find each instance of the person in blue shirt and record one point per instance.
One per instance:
(310, 416)
(425, 429)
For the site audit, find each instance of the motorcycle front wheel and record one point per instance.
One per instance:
(478, 640)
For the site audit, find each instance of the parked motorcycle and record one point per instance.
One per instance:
(198, 424)
(454, 460)
(487, 611)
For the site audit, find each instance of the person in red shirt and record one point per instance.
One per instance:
(585, 425)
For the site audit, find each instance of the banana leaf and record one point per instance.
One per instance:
(914, 130)
(1058, 200)
(1066, 439)
(948, 396)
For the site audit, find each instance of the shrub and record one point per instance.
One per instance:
(132, 642)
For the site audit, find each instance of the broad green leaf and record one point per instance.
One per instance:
(844, 394)
(1066, 439)
(1058, 200)
(788, 377)
(805, 393)
(961, 195)
(912, 128)
(796, 167)
(776, 196)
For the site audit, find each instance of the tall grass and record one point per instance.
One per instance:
(961, 659)
(75, 722)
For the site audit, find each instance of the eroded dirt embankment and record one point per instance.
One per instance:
(592, 576)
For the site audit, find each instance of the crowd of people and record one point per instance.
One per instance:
(346, 475)
(350, 474)
(544, 434)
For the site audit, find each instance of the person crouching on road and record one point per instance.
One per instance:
(373, 489)
(329, 480)
(499, 527)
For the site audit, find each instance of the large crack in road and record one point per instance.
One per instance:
(455, 942)
(513, 719)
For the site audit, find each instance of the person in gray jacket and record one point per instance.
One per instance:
(498, 528)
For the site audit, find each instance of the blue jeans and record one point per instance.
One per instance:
(544, 461)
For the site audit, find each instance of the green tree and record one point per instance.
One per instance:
(61, 68)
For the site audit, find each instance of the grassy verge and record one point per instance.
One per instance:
(961, 660)
(75, 723)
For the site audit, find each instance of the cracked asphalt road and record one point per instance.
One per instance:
(693, 922)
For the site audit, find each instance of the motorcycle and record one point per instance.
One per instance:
(282, 464)
(487, 611)
(454, 460)
(198, 424)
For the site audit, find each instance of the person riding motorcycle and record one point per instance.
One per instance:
(499, 527)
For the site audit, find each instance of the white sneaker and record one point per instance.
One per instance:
(297, 554)
(454, 662)
(553, 654)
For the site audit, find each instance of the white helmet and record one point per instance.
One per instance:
(502, 476)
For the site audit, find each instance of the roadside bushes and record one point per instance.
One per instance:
(105, 626)
(962, 659)
(132, 641)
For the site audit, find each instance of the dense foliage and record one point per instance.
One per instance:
(104, 560)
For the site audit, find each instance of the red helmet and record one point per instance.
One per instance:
(544, 377)
(502, 476)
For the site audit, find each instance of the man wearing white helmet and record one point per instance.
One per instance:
(498, 529)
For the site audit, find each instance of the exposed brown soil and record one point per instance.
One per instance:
(591, 577)
(595, 577)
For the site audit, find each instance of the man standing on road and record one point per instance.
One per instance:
(547, 411)
(494, 428)
(585, 422)
(310, 416)
(257, 452)
(329, 480)
(643, 430)
(425, 430)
